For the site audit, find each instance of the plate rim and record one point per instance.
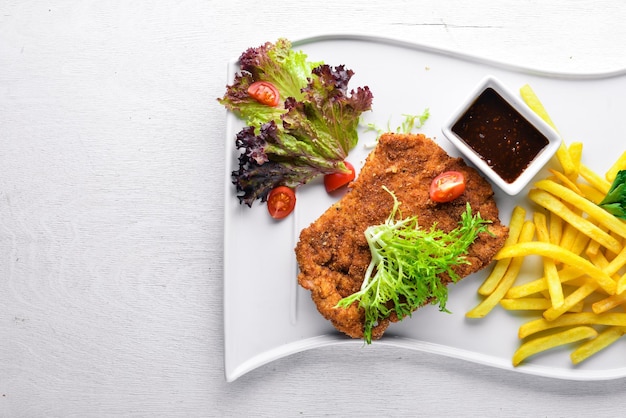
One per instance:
(403, 42)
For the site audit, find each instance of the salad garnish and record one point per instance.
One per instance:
(407, 265)
(308, 133)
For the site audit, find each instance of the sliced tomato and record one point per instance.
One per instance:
(281, 201)
(447, 186)
(265, 93)
(334, 181)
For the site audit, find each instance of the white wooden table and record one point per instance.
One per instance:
(111, 209)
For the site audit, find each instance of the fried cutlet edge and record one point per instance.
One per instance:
(332, 252)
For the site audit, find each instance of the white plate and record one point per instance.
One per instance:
(268, 316)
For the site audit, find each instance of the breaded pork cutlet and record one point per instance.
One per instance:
(333, 253)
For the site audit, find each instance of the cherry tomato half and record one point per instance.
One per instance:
(265, 93)
(447, 186)
(334, 181)
(281, 201)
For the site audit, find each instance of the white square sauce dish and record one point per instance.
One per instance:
(505, 139)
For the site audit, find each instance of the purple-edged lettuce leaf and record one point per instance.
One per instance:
(309, 134)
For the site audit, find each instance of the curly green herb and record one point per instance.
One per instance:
(407, 263)
(409, 124)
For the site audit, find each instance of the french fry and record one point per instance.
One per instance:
(575, 150)
(532, 100)
(578, 307)
(600, 215)
(540, 344)
(590, 192)
(569, 234)
(564, 158)
(599, 260)
(608, 303)
(616, 263)
(549, 267)
(570, 320)
(594, 179)
(591, 347)
(530, 288)
(580, 243)
(594, 246)
(575, 297)
(545, 249)
(487, 304)
(610, 267)
(619, 164)
(526, 304)
(556, 228)
(610, 255)
(621, 285)
(566, 181)
(579, 281)
(534, 304)
(568, 237)
(553, 204)
(498, 271)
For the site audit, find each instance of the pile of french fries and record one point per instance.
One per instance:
(581, 296)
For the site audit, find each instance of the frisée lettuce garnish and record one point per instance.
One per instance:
(407, 265)
(309, 133)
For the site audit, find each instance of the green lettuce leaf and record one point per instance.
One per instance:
(309, 135)
(277, 63)
(615, 200)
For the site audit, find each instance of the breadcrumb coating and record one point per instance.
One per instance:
(332, 252)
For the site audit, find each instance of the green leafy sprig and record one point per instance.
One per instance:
(408, 125)
(407, 265)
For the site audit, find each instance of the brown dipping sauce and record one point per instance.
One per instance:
(500, 135)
